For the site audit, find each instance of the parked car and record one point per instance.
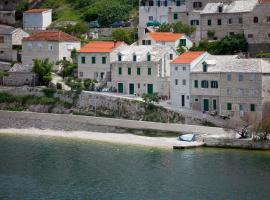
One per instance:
(119, 24)
(94, 24)
(153, 23)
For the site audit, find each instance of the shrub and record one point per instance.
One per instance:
(58, 86)
(49, 92)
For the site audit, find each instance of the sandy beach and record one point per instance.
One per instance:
(127, 139)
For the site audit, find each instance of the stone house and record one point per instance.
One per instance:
(181, 68)
(20, 75)
(136, 70)
(94, 59)
(10, 43)
(55, 45)
(37, 19)
(166, 38)
(229, 86)
(7, 11)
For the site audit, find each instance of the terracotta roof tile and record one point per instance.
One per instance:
(165, 36)
(40, 10)
(100, 46)
(51, 36)
(187, 57)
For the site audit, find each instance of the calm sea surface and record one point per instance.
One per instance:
(52, 168)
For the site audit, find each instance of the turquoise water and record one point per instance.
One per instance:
(49, 168)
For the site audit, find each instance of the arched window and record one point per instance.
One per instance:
(134, 57)
(148, 57)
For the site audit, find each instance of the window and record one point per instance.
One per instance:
(204, 84)
(138, 71)
(120, 70)
(50, 47)
(219, 22)
(175, 16)
(252, 77)
(184, 82)
(194, 22)
(220, 9)
(255, 20)
(83, 60)
(214, 84)
(149, 71)
(197, 4)
(129, 71)
(143, 42)
(104, 60)
(229, 106)
(196, 83)
(205, 66)
(2, 52)
(250, 35)
(2, 39)
(231, 33)
(176, 81)
(251, 92)
(209, 22)
(151, 18)
(81, 74)
(268, 18)
(176, 68)
(269, 35)
(178, 3)
(182, 42)
(40, 45)
(171, 56)
(93, 60)
(252, 107)
(148, 42)
(139, 85)
(134, 58)
(229, 77)
(119, 57)
(184, 68)
(64, 58)
(214, 104)
(196, 100)
(241, 92)
(229, 91)
(240, 77)
(240, 20)
(230, 21)
(148, 57)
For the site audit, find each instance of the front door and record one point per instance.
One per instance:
(214, 104)
(205, 105)
(150, 89)
(131, 88)
(183, 100)
(120, 87)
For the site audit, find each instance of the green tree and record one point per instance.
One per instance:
(43, 68)
(262, 129)
(129, 36)
(77, 30)
(89, 84)
(67, 68)
(150, 99)
(177, 28)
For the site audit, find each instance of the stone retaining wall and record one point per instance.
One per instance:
(237, 143)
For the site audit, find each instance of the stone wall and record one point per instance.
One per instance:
(236, 143)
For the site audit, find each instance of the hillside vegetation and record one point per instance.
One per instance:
(105, 11)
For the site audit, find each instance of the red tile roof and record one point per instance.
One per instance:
(51, 36)
(165, 36)
(264, 1)
(100, 46)
(187, 57)
(40, 10)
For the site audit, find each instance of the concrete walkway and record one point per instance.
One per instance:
(58, 79)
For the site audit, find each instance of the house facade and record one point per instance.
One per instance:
(173, 40)
(10, 43)
(137, 70)
(55, 45)
(37, 19)
(228, 86)
(7, 11)
(94, 59)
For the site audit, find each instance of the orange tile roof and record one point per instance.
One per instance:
(100, 46)
(51, 36)
(187, 57)
(37, 10)
(165, 36)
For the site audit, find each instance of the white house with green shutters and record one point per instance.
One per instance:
(137, 70)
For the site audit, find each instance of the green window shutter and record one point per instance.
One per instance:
(120, 70)
(252, 107)
(129, 71)
(104, 60)
(214, 84)
(143, 42)
(120, 88)
(148, 57)
(138, 71)
(196, 83)
(229, 106)
(149, 71)
(83, 60)
(175, 16)
(204, 84)
(182, 42)
(93, 60)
